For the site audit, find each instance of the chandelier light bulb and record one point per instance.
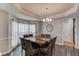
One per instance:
(50, 19)
(47, 19)
(43, 20)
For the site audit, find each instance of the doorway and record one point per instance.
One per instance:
(69, 32)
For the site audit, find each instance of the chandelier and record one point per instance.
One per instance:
(46, 19)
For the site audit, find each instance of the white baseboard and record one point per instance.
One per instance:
(60, 43)
(76, 47)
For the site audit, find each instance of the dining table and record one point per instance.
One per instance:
(39, 41)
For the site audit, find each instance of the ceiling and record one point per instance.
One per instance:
(38, 9)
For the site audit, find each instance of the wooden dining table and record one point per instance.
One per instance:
(39, 41)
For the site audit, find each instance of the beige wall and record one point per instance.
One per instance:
(57, 30)
(3, 31)
(63, 29)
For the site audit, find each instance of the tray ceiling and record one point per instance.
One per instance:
(38, 9)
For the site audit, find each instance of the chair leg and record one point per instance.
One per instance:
(51, 53)
(54, 49)
(21, 52)
(73, 51)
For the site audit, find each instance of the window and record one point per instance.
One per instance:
(14, 33)
(26, 29)
(32, 29)
(19, 29)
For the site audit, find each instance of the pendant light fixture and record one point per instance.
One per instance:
(46, 19)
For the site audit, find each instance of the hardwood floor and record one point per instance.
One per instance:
(59, 51)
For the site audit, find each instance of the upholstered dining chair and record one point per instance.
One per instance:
(26, 36)
(22, 44)
(43, 35)
(47, 50)
(53, 43)
(50, 48)
(48, 36)
(30, 35)
(29, 50)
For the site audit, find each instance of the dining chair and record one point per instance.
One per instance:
(53, 43)
(29, 50)
(22, 44)
(47, 50)
(26, 36)
(30, 35)
(43, 35)
(48, 36)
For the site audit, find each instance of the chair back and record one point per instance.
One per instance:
(26, 36)
(22, 42)
(28, 45)
(50, 48)
(51, 45)
(43, 35)
(30, 35)
(54, 40)
(48, 36)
